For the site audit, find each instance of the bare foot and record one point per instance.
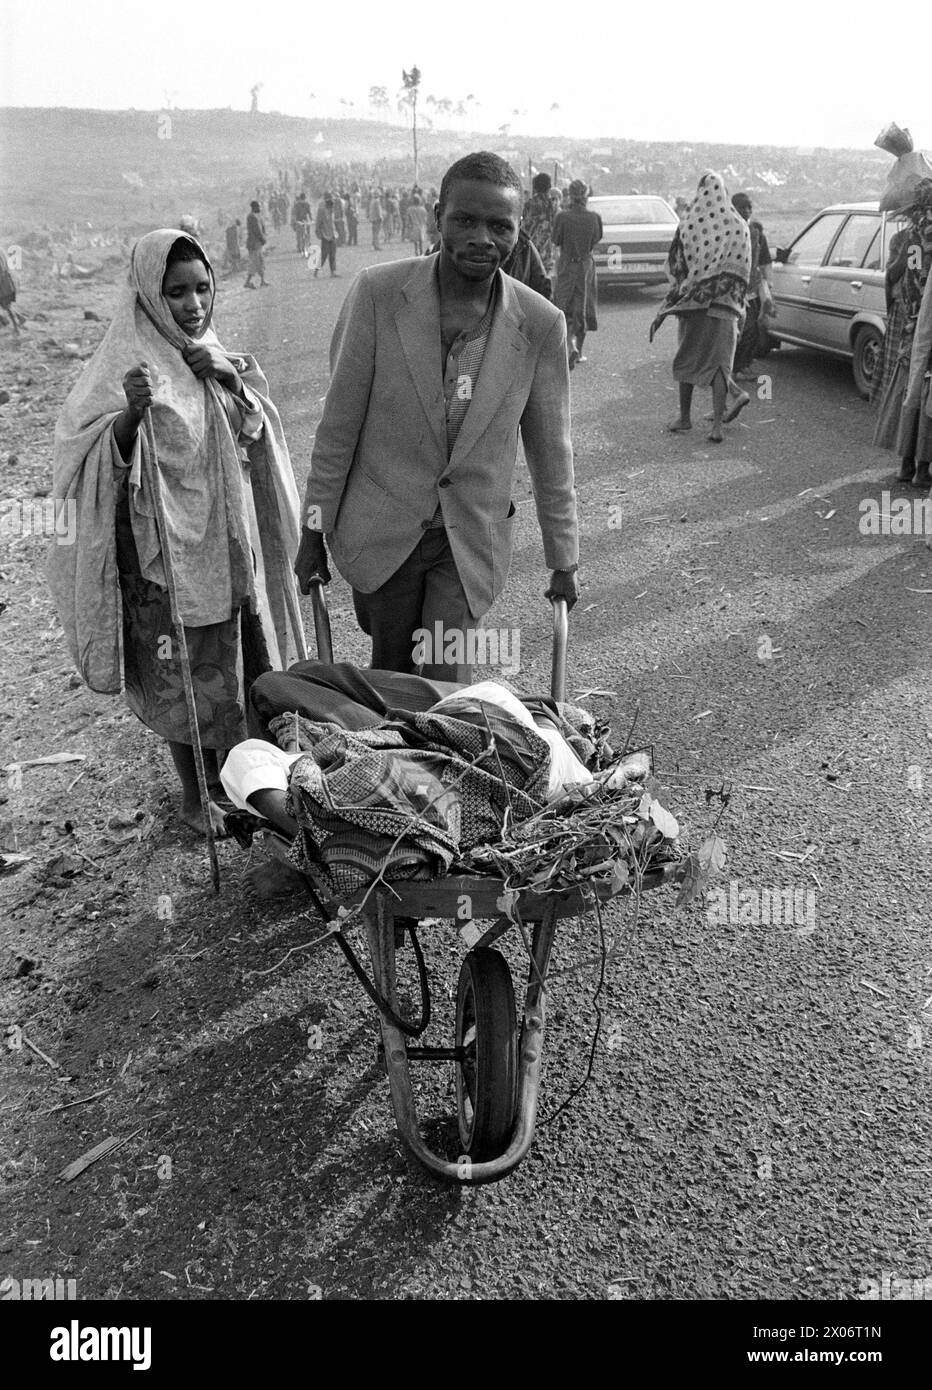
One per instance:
(270, 879)
(716, 434)
(193, 817)
(679, 426)
(736, 406)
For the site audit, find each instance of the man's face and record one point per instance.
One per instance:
(478, 227)
(743, 207)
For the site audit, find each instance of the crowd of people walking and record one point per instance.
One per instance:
(720, 276)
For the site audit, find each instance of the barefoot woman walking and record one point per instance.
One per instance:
(231, 510)
(710, 262)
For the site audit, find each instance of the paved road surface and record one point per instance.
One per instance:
(753, 1125)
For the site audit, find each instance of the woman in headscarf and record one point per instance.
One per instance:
(576, 234)
(538, 217)
(710, 263)
(897, 424)
(231, 514)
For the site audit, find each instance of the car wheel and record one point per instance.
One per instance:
(765, 344)
(868, 349)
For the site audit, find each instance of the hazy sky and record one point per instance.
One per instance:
(794, 72)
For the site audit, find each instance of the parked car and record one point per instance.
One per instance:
(828, 288)
(637, 232)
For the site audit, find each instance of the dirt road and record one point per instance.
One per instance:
(753, 1124)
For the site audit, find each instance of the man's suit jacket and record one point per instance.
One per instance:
(380, 463)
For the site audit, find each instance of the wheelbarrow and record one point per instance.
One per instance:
(496, 1053)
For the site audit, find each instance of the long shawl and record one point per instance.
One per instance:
(202, 477)
(920, 360)
(710, 258)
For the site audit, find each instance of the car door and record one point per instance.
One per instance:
(792, 276)
(837, 288)
(892, 223)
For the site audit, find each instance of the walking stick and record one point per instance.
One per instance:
(294, 613)
(195, 732)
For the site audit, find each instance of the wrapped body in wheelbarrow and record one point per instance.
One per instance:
(474, 806)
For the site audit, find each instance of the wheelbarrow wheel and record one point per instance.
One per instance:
(487, 1075)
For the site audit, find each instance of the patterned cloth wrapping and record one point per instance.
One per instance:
(918, 255)
(432, 776)
(540, 213)
(710, 257)
(918, 263)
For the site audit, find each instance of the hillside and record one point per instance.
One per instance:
(127, 169)
(59, 166)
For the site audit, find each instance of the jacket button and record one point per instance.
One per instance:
(444, 482)
(425, 525)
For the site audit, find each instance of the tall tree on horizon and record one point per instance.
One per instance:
(412, 81)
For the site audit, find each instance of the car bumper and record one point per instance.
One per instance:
(639, 272)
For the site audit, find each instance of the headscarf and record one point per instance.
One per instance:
(217, 524)
(920, 210)
(710, 256)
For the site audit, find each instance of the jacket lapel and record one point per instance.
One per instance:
(506, 344)
(418, 322)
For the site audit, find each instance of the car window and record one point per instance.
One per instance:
(872, 259)
(630, 211)
(854, 239)
(810, 248)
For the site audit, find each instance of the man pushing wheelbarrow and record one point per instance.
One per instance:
(436, 364)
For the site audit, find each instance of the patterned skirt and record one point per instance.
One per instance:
(891, 346)
(225, 658)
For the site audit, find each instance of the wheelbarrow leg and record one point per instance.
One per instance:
(381, 936)
(380, 929)
(532, 1027)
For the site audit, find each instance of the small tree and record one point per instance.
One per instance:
(412, 81)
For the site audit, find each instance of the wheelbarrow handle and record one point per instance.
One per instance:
(560, 635)
(324, 636)
(321, 613)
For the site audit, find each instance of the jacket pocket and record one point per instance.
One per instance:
(363, 503)
(501, 540)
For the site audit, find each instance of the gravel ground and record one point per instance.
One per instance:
(753, 1126)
